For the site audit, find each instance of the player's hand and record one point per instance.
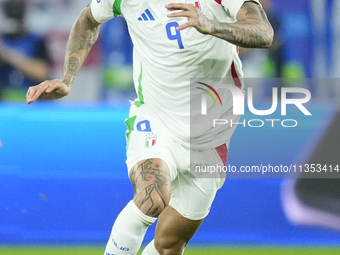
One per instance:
(47, 90)
(195, 17)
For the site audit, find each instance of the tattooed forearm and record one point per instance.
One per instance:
(152, 185)
(70, 71)
(83, 35)
(253, 31)
(244, 34)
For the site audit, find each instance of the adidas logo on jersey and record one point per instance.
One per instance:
(146, 16)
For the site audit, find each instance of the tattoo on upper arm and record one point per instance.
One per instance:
(90, 16)
(250, 9)
(253, 8)
(82, 37)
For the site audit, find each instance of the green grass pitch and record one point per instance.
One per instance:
(190, 251)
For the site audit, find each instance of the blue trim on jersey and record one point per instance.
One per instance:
(149, 14)
(144, 16)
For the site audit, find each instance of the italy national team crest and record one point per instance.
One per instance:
(150, 140)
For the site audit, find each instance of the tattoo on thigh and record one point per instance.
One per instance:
(149, 180)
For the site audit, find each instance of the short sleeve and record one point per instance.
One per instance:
(102, 10)
(233, 6)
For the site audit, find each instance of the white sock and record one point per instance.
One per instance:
(150, 249)
(128, 231)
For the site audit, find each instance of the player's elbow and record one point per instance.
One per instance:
(268, 38)
(263, 37)
(267, 43)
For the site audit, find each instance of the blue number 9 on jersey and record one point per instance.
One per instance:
(176, 36)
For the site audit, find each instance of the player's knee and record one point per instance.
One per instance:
(169, 246)
(153, 205)
(152, 185)
(159, 205)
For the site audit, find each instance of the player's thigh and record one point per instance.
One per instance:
(173, 231)
(151, 181)
(192, 194)
(149, 146)
(151, 161)
(191, 200)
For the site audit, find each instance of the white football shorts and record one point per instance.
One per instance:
(147, 138)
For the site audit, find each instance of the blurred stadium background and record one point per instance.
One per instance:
(62, 164)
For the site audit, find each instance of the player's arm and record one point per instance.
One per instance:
(83, 35)
(252, 30)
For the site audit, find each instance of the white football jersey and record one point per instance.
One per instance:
(166, 59)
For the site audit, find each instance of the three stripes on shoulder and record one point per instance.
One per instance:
(146, 16)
